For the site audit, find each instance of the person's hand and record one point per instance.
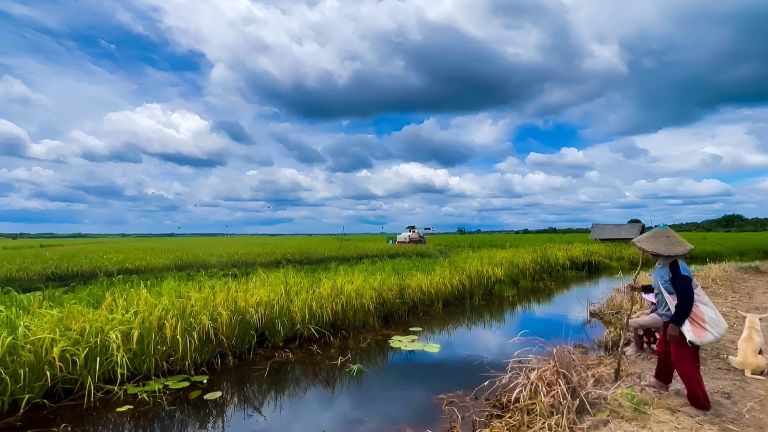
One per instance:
(674, 335)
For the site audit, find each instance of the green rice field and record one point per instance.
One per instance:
(89, 315)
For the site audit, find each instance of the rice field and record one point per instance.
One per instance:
(89, 315)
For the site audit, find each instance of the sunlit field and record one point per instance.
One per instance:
(87, 315)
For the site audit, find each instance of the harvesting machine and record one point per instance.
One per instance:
(411, 235)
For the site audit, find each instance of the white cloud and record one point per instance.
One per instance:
(680, 188)
(408, 179)
(178, 136)
(568, 161)
(35, 174)
(175, 135)
(262, 185)
(451, 142)
(511, 164)
(14, 91)
(14, 141)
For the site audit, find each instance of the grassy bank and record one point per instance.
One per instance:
(57, 342)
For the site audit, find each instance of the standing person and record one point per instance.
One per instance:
(672, 275)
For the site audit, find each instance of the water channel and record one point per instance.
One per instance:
(399, 390)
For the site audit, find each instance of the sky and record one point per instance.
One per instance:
(156, 116)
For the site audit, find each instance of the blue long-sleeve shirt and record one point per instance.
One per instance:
(676, 280)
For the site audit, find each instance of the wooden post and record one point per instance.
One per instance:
(620, 353)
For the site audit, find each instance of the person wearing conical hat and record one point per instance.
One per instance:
(672, 275)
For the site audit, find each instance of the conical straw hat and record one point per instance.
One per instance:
(662, 241)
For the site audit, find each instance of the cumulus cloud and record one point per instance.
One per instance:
(14, 141)
(262, 185)
(568, 161)
(680, 188)
(14, 91)
(408, 179)
(300, 150)
(177, 136)
(455, 142)
(350, 154)
(33, 175)
(326, 59)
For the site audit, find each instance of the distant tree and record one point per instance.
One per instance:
(634, 220)
(461, 230)
(732, 220)
(478, 231)
(728, 222)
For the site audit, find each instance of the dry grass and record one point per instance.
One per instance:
(713, 275)
(551, 393)
(612, 312)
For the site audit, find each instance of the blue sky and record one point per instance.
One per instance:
(244, 116)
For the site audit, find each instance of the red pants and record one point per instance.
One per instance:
(684, 359)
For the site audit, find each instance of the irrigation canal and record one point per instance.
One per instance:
(397, 391)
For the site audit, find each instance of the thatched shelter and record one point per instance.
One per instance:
(615, 232)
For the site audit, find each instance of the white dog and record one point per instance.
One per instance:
(750, 358)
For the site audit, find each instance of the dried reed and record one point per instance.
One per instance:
(556, 392)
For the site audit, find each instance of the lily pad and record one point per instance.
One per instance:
(124, 408)
(134, 390)
(194, 394)
(199, 378)
(432, 347)
(176, 378)
(212, 395)
(416, 329)
(178, 384)
(397, 343)
(413, 346)
(150, 387)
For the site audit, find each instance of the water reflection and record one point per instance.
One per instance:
(395, 394)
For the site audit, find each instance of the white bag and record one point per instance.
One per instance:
(704, 325)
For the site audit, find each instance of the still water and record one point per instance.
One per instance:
(399, 390)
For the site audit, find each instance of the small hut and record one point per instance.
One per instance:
(615, 232)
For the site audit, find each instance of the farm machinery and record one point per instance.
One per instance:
(412, 235)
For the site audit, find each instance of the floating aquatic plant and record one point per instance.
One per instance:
(412, 343)
(175, 382)
(356, 369)
(212, 395)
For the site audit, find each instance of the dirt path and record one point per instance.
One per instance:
(738, 403)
